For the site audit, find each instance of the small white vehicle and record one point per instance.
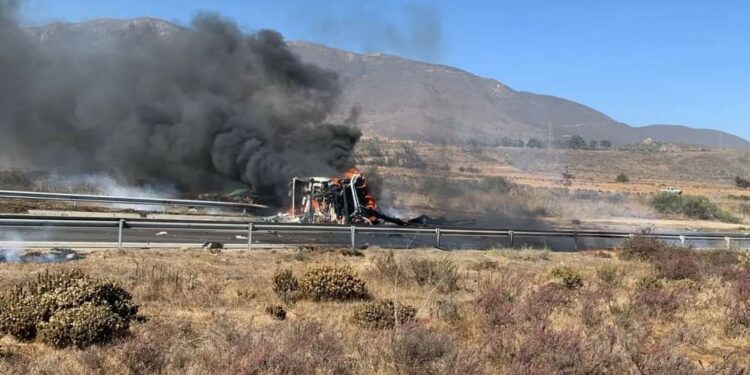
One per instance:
(672, 190)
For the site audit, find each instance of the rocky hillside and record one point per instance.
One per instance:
(409, 99)
(406, 99)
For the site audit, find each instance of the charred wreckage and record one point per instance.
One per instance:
(346, 200)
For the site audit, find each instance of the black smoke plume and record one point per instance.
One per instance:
(196, 107)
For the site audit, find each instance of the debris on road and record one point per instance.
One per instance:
(162, 233)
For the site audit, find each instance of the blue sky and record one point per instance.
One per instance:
(641, 62)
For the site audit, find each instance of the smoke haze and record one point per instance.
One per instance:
(199, 109)
(412, 30)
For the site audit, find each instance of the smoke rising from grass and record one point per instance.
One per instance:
(197, 108)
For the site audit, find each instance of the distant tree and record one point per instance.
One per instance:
(605, 144)
(622, 178)
(742, 182)
(506, 142)
(593, 145)
(534, 143)
(518, 143)
(576, 142)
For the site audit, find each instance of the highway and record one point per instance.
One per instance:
(156, 233)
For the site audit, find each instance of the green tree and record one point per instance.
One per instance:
(576, 142)
(742, 182)
(605, 144)
(534, 143)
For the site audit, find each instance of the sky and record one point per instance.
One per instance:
(641, 62)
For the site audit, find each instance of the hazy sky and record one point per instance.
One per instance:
(641, 62)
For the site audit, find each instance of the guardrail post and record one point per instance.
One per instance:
(437, 237)
(354, 236)
(729, 242)
(120, 225)
(250, 236)
(682, 240)
(575, 241)
(511, 239)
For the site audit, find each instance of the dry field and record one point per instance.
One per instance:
(439, 180)
(477, 312)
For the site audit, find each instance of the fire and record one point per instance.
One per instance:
(331, 199)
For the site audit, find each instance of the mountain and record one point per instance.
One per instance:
(407, 99)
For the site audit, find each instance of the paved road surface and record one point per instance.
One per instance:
(382, 239)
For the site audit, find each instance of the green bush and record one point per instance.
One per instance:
(442, 273)
(622, 178)
(333, 283)
(286, 286)
(19, 318)
(569, 277)
(382, 314)
(31, 305)
(696, 207)
(82, 326)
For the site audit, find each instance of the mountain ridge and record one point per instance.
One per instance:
(406, 99)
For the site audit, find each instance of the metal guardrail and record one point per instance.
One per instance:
(250, 227)
(125, 200)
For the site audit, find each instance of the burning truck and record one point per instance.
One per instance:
(326, 200)
(346, 200)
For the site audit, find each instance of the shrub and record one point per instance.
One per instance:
(543, 302)
(550, 352)
(33, 304)
(496, 303)
(696, 207)
(442, 273)
(286, 286)
(610, 275)
(382, 314)
(652, 297)
(420, 350)
(19, 318)
(333, 283)
(742, 183)
(642, 247)
(352, 253)
(385, 266)
(622, 178)
(569, 277)
(445, 310)
(82, 326)
(677, 264)
(741, 280)
(720, 262)
(738, 318)
(276, 311)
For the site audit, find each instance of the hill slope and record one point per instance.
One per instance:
(406, 99)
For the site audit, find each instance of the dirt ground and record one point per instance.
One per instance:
(489, 312)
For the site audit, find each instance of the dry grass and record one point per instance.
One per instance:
(508, 313)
